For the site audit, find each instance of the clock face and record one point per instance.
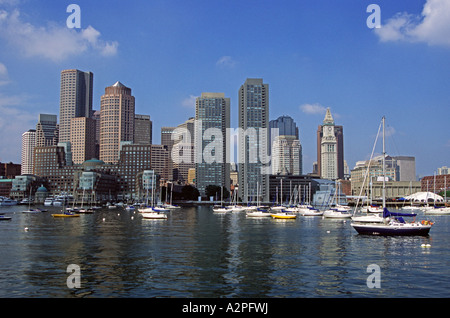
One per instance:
(329, 128)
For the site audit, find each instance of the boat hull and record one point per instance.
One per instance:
(387, 230)
(63, 215)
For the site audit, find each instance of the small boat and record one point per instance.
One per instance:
(5, 218)
(65, 215)
(309, 211)
(32, 211)
(220, 209)
(259, 213)
(86, 211)
(438, 211)
(283, 215)
(336, 214)
(130, 208)
(4, 201)
(153, 215)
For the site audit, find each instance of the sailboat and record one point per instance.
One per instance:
(151, 212)
(258, 211)
(437, 210)
(221, 208)
(337, 212)
(393, 224)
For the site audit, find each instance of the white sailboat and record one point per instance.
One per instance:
(221, 208)
(337, 212)
(392, 223)
(258, 211)
(150, 212)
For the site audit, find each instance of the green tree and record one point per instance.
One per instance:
(189, 192)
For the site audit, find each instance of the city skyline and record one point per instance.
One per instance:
(313, 56)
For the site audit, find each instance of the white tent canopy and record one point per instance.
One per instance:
(424, 197)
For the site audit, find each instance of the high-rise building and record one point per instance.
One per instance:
(142, 129)
(28, 145)
(116, 120)
(75, 99)
(47, 130)
(253, 140)
(212, 118)
(285, 155)
(168, 141)
(287, 127)
(82, 139)
(330, 149)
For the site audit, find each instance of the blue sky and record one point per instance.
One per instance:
(313, 54)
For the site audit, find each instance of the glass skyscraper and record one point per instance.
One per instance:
(212, 118)
(253, 139)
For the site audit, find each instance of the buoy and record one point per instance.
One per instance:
(103, 219)
(26, 229)
(328, 231)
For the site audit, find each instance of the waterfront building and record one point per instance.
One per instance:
(330, 149)
(75, 99)
(47, 130)
(82, 139)
(116, 120)
(28, 144)
(436, 183)
(394, 189)
(400, 168)
(291, 189)
(142, 129)
(134, 158)
(10, 170)
(443, 170)
(253, 140)
(212, 118)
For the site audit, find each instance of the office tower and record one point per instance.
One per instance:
(166, 140)
(183, 148)
(212, 118)
(330, 149)
(75, 99)
(160, 161)
(47, 130)
(96, 117)
(82, 139)
(142, 130)
(286, 127)
(253, 140)
(28, 145)
(285, 155)
(116, 120)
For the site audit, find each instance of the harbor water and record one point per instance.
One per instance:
(196, 253)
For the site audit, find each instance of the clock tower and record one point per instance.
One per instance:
(328, 149)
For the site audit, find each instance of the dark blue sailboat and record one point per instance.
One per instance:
(393, 222)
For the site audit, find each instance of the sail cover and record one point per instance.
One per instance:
(387, 213)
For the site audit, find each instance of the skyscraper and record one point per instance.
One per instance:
(285, 155)
(286, 127)
(82, 139)
(75, 99)
(142, 129)
(47, 130)
(253, 140)
(212, 118)
(330, 149)
(117, 112)
(28, 145)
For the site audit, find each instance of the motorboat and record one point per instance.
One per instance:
(436, 210)
(5, 218)
(4, 201)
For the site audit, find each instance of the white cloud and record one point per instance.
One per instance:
(54, 42)
(189, 102)
(226, 61)
(432, 26)
(313, 109)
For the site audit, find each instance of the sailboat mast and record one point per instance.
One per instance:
(384, 168)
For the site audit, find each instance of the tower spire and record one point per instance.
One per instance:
(328, 120)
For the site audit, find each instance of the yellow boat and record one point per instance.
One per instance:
(283, 216)
(64, 215)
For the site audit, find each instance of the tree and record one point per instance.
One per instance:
(189, 192)
(215, 191)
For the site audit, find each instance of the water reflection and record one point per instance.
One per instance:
(196, 253)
